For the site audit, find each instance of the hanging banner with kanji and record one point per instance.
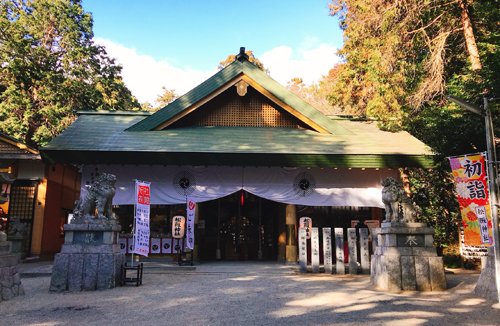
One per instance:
(141, 230)
(191, 206)
(470, 178)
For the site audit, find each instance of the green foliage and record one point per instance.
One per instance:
(434, 193)
(51, 68)
(165, 98)
(400, 60)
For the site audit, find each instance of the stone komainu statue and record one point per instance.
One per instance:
(99, 198)
(393, 195)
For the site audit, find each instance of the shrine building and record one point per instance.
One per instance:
(253, 155)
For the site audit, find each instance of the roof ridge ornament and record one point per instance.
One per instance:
(242, 56)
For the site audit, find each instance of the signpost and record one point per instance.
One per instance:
(315, 250)
(327, 250)
(306, 223)
(302, 250)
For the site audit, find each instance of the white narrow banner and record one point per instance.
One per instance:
(141, 230)
(191, 206)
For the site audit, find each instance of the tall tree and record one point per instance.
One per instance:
(399, 56)
(50, 68)
(400, 60)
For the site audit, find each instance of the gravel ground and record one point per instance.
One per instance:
(227, 293)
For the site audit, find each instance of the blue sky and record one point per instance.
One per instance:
(178, 44)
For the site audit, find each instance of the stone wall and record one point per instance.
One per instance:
(10, 281)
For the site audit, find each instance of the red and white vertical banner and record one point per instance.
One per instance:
(191, 207)
(141, 230)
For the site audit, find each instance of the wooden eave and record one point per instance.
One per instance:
(16, 143)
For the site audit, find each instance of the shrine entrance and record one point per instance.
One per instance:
(238, 227)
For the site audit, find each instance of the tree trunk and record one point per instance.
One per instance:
(406, 180)
(469, 37)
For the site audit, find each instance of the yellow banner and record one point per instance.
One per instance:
(470, 178)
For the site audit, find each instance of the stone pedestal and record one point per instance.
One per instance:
(18, 246)
(405, 259)
(486, 285)
(90, 259)
(10, 281)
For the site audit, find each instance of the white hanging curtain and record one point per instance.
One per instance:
(301, 186)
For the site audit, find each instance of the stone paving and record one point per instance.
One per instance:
(245, 293)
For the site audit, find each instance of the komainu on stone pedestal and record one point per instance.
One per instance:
(96, 206)
(396, 201)
(405, 258)
(90, 257)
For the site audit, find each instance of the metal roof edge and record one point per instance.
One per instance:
(196, 94)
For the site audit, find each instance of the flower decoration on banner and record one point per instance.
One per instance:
(470, 178)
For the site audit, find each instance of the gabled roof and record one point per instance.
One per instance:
(141, 138)
(102, 138)
(240, 69)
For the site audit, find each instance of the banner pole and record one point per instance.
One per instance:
(134, 223)
(492, 183)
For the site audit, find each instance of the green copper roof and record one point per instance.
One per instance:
(224, 76)
(103, 138)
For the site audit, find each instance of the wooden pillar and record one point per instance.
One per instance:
(291, 237)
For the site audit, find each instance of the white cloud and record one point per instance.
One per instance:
(314, 63)
(145, 76)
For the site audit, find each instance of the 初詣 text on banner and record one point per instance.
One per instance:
(141, 230)
(470, 178)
